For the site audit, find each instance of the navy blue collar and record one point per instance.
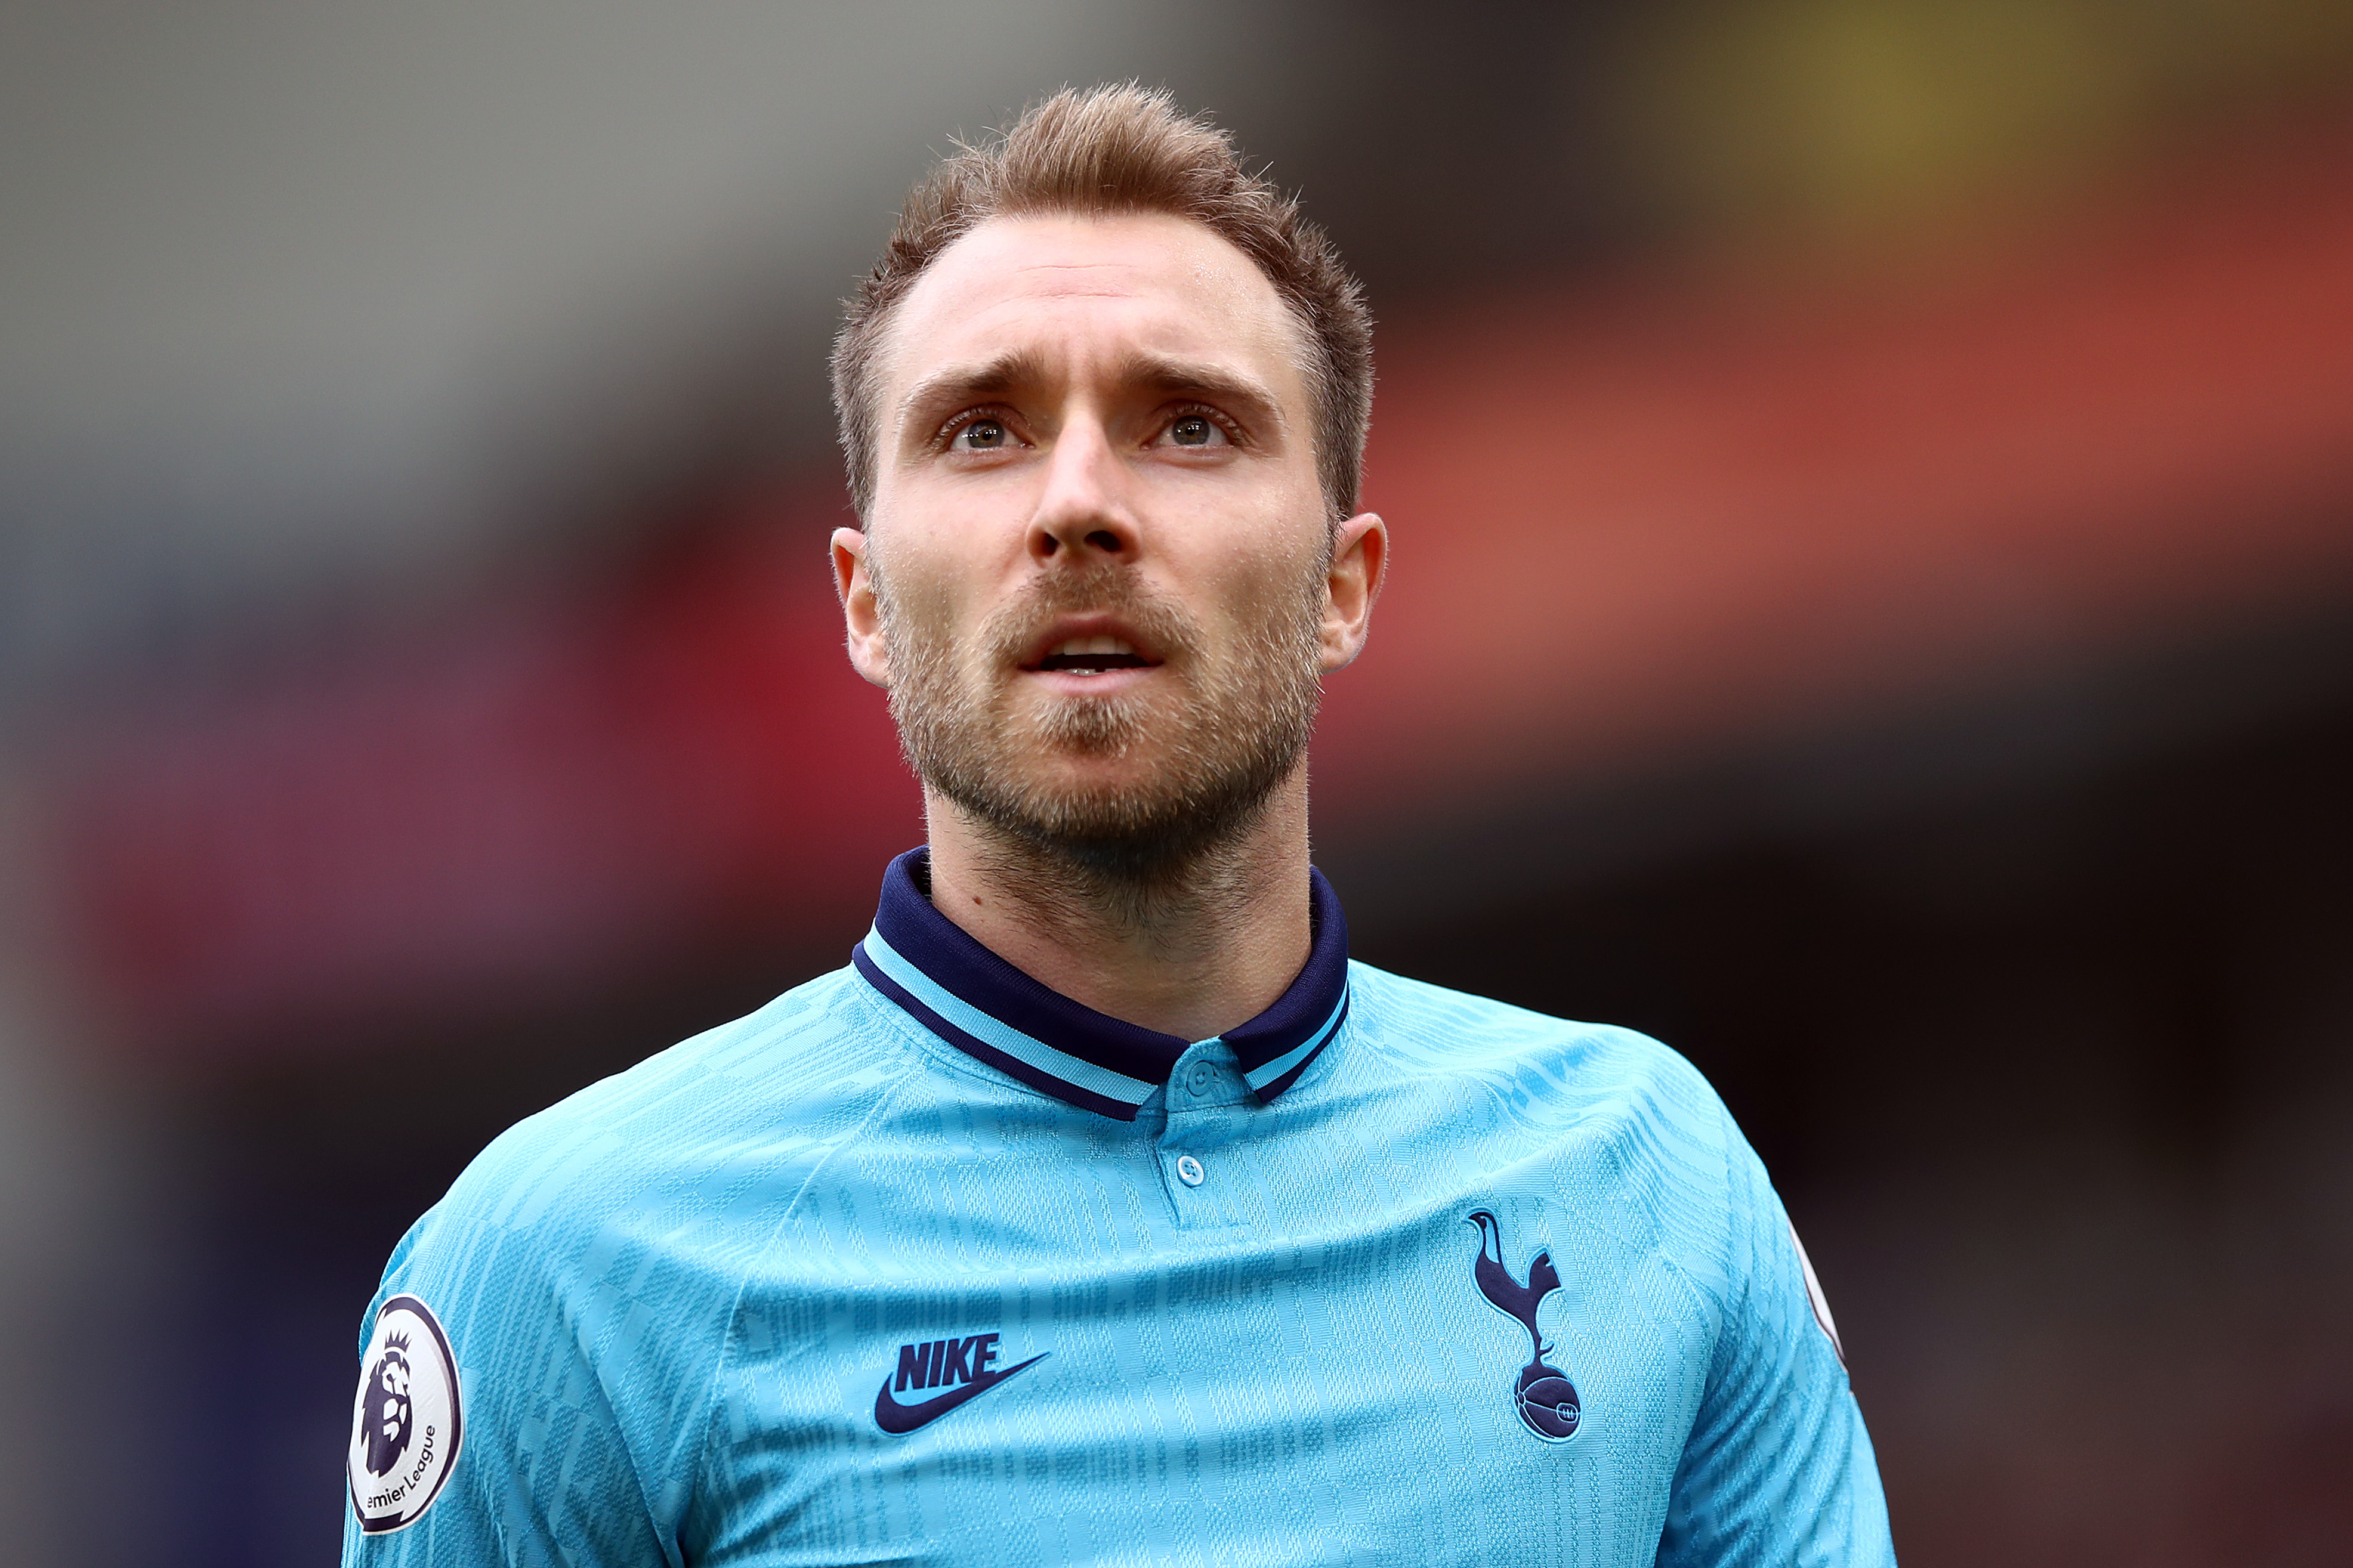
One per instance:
(949, 982)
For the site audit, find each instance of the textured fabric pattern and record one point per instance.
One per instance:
(678, 1298)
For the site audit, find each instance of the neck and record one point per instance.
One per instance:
(1208, 948)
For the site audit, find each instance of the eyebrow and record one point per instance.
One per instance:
(955, 386)
(962, 384)
(1245, 395)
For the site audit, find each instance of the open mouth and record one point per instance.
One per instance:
(1096, 654)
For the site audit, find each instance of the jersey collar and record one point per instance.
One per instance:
(947, 982)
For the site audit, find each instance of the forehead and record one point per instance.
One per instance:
(1075, 293)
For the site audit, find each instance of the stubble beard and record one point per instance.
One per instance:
(1236, 730)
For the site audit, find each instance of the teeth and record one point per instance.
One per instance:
(1074, 647)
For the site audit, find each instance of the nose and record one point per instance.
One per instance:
(1085, 515)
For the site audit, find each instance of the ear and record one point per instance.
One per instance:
(1360, 557)
(860, 615)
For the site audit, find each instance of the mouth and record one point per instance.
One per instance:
(1089, 650)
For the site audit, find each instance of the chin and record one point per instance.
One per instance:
(1081, 779)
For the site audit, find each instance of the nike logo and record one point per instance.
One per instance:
(963, 1362)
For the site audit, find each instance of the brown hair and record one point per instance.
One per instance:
(1122, 148)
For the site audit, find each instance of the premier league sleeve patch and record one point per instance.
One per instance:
(406, 1421)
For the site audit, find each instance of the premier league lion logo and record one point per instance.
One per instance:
(406, 1418)
(386, 1410)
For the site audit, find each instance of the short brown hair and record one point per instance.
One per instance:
(1122, 148)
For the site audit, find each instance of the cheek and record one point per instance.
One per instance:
(1275, 565)
(922, 591)
(943, 566)
(1263, 591)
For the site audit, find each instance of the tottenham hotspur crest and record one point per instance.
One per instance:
(1542, 1393)
(405, 1422)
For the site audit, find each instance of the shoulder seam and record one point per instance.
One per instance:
(743, 1282)
(1724, 1304)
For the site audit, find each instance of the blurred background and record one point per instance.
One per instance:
(1872, 490)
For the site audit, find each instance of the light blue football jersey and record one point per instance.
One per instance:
(924, 1262)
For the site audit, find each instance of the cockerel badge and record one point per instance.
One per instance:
(1542, 1393)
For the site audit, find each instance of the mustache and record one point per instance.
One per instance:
(1013, 629)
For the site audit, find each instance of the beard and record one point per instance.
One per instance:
(1239, 726)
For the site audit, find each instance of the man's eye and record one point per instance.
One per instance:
(1195, 430)
(981, 435)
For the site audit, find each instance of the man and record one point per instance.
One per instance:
(1102, 1210)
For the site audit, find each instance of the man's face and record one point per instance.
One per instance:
(1098, 578)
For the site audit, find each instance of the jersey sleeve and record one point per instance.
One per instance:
(1778, 1468)
(584, 1314)
(542, 1473)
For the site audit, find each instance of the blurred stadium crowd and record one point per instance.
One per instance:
(1872, 485)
